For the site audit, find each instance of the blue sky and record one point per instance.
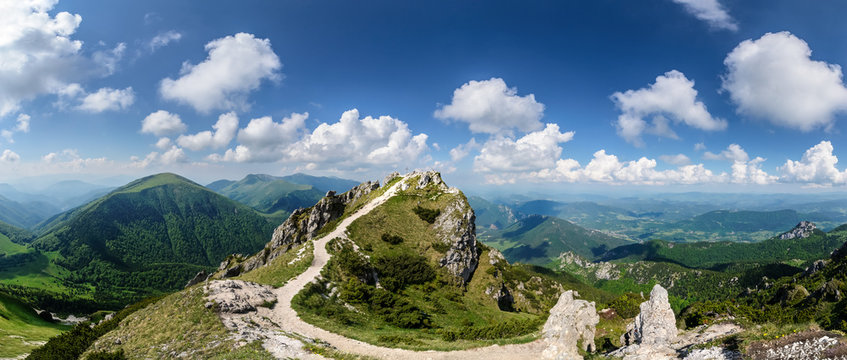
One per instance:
(662, 94)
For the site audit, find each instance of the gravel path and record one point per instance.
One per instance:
(286, 318)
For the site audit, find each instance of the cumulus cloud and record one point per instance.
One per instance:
(460, 152)
(490, 106)
(671, 95)
(108, 59)
(710, 11)
(264, 139)
(107, 99)
(534, 151)
(163, 39)
(699, 147)
(774, 78)
(354, 142)
(235, 66)
(39, 56)
(225, 130)
(70, 160)
(162, 123)
(163, 143)
(9, 156)
(816, 167)
(21, 125)
(677, 159)
(744, 169)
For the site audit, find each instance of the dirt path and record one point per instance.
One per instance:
(286, 318)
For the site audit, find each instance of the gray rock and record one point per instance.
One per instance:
(200, 277)
(655, 324)
(238, 297)
(570, 321)
(803, 230)
(815, 267)
(456, 227)
(301, 226)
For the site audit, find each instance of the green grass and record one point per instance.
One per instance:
(281, 269)
(21, 330)
(9, 248)
(251, 351)
(449, 306)
(178, 323)
(44, 274)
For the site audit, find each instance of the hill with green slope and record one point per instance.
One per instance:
(540, 239)
(25, 214)
(797, 251)
(490, 215)
(151, 235)
(322, 183)
(269, 194)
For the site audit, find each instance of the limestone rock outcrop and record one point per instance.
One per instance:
(236, 296)
(655, 324)
(570, 322)
(803, 230)
(654, 329)
(456, 227)
(301, 226)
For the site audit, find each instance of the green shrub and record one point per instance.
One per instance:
(396, 271)
(392, 239)
(627, 305)
(427, 215)
(502, 330)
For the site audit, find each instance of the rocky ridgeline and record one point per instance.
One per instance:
(570, 322)
(301, 226)
(803, 230)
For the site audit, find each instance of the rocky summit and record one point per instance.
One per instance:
(803, 230)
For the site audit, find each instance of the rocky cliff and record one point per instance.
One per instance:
(301, 226)
(803, 230)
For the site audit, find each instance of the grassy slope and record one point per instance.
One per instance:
(449, 306)
(21, 329)
(283, 268)
(178, 323)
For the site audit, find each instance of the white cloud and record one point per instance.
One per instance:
(744, 170)
(163, 39)
(535, 151)
(461, 151)
(265, 140)
(733, 152)
(699, 147)
(173, 155)
(23, 123)
(70, 160)
(673, 95)
(353, 142)
(108, 60)
(236, 65)
(225, 130)
(775, 79)
(107, 99)
(816, 167)
(710, 11)
(39, 57)
(677, 159)
(164, 143)
(9, 156)
(162, 123)
(490, 106)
